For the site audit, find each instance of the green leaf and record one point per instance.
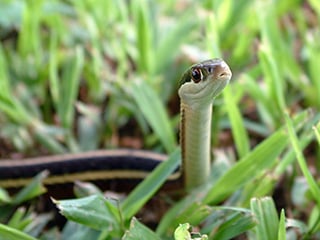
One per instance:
(192, 211)
(182, 232)
(75, 231)
(146, 189)
(33, 189)
(4, 196)
(19, 220)
(29, 37)
(169, 221)
(259, 159)
(266, 214)
(144, 35)
(314, 188)
(237, 125)
(8, 233)
(169, 43)
(93, 211)
(139, 231)
(282, 226)
(234, 225)
(317, 133)
(153, 110)
(69, 87)
(85, 189)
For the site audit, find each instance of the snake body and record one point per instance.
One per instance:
(200, 84)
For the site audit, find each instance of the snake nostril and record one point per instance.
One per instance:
(222, 74)
(225, 70)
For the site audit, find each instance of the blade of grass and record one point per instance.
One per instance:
(191, 200)
(12, 107)
(144, 36)
(212, 36)
(69, 87)
(8, 233)
(29, 41)
(238, 223)
(316, 131)
(316, 5)
(168, 46)
(253, 164)
(4, 80)
(53, 68)
(261, 98)
(272, 55)
(261, 158)
(315, 190)
(146, 189)
(139, 231)
(239, 132)
(47, 140)
(282, 226)
(266, 214)
(313, 47)
(274, 81)
(33, 189)
(153, 110)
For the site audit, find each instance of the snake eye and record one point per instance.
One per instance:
(196, 75)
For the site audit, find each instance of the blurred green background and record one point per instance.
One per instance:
(80, 75)
(70, 70)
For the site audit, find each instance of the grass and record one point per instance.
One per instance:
(81, 75)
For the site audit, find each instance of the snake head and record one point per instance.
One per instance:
(203, 81)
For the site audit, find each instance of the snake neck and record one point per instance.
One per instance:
(195, 135)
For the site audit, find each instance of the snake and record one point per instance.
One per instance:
(199, 86)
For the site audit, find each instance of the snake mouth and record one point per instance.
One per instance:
(223, 71)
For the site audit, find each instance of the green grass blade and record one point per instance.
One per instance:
(8, 233)
(262, 157)
(4, 78)
(144, 36)
(47, 140)
(236, 224)
(266, 214)
(167, 222)
(316, 5)
(259, 159)
(275, 84)
(237, 125)
(12, 107)
(75, 231)
(314, 188)
(4, 196)
(146, 189)
(69, 87)
(33, 189)
(212, 38)
(29, 41)
(153, 110)
(168, 46)
(53, 68)
(139, 231)
(282, 226)
(317, 132)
